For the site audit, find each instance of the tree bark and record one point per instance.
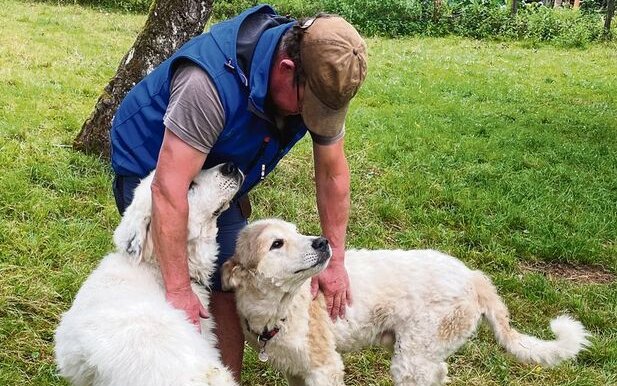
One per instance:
(437, 10)
(169, 25)
(577, 4)
(557, 4)
(610, 12)
(513, 7)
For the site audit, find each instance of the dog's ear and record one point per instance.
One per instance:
(230, 275)
(133, 238)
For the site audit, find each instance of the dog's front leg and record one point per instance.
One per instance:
(325, 376)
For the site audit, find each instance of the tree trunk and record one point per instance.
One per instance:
(437, 11)
(577, 4)
(169, 25)
(514, 7)
(557, 4)
(610, 11)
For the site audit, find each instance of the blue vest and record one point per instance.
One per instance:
(249, 138)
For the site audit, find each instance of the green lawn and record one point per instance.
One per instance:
(503, 154)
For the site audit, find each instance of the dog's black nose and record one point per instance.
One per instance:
(320, 244)
(229, 169)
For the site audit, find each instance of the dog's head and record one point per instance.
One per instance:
(209, 194)
(271, 253)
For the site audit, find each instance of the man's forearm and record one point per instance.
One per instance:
(332, 186)
(169, 232)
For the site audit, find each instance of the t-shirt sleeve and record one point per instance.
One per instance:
(325, 140)
(195, 112)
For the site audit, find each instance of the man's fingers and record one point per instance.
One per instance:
(348, 297)
(197, 323)
(314, 286)
(342, 309)
(188, 302)
(329, 303)
(334, 312)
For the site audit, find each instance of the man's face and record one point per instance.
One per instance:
(284, 90)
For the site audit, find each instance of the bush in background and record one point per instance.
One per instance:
(480, 19)
(295, 8)
(383, 17)
(136, 6)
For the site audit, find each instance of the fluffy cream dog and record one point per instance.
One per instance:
(423, 304)
(120, 330)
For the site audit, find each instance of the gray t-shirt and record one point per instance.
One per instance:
(195, 112)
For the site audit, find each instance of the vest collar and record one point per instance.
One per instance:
(261, 65)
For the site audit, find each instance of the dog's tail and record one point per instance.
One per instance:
(571, 336)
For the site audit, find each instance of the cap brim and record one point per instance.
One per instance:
(319, 118)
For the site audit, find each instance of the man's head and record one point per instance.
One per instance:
(320, 66)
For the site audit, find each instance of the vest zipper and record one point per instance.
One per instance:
(259, 154)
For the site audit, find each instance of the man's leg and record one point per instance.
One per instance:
(123, 188)
(228, 330)
(222, 304)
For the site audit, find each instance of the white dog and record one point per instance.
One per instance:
(422, 304)
(120, 329)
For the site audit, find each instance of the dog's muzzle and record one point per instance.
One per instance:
(229, 169)
(322, 246)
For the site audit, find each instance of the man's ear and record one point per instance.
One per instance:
(287, 65)
(231, 273)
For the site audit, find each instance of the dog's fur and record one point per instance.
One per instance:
(422, 304)
(120, 329)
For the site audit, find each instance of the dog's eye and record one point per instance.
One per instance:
(277, 244)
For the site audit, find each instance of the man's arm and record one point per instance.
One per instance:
(178, 164)
(332, 188)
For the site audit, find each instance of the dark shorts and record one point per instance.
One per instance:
(230, 222)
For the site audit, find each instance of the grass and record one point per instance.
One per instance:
(500, 154)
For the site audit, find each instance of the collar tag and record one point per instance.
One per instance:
(263, 355)
(262, 340)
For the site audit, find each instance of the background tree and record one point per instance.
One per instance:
(610, 11)
(169, 25)
(513, 7)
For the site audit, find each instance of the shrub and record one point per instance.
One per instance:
(542, 24)
(138, 6)
(577, 29)
(226, 9)
(480, 19)
(381, 17)
(295, 8)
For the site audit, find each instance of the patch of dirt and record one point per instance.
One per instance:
(585, 274)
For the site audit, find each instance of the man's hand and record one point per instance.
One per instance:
(334, 283)
(186, 300)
